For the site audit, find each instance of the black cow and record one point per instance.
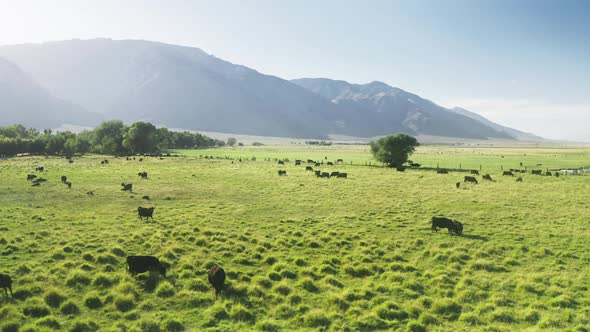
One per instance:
(458, 185)
(31, 177)
(442, 171)
(334, 174)
(281, 162)
(141, 264)
(309, 161)
(69, 184)
(325, 175)
(90, 193)
(40, 169)
(556, 174)
(216, 278)
(329, 163)
(126, 186)
(442, 222)
(537, 172)
(282, 172)
(140, 159)
(143, 175)
(548, 173)
(317, 165)
(317, 173)
(470, 179)
(507, 173)
(36, 184)
(6, 283)
(519, 179)
(458, 227)
(70, 161)
(309, 168)
(487, 177)
(147, 198)
(475, 172)
(339, 161)
(39, 180)
(64, 179)
(145, 212)
(342, 175)
(400, 169)
(297, 162)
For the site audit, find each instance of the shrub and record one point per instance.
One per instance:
(447, 308)
(69, 308)
(77, 278)
(309, 285)
(102, 280)
(240, 313)
(93, 301)
(124, 303)
(10, 327)
(165, 289)
(414, 326)
(173, 325)
(316, 319)
(148, 325)
(36, 309)
(84, 326)
(267, 326)
(54, 298)
(50, 322)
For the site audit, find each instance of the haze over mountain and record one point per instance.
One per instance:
(385, 109)
(24, 101)
(183, 87)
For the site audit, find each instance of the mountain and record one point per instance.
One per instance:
(381, 109)
(520, 135)
(184, 87)
(24, 101)
(175, 86)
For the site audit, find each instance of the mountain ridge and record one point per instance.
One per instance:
(24, 101)
(184, 87)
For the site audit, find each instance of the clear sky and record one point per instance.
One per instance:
(522, 63)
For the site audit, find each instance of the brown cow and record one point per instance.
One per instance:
(216, 277)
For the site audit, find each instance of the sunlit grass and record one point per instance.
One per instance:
(300, 252)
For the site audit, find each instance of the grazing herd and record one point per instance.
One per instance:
(317, 173)
(216, 274)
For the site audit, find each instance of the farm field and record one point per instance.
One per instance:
(301, 253)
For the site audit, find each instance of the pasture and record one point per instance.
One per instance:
(301, 253)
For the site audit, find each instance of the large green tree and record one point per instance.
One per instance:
(108, 137)
(140, 138)
(394, 150)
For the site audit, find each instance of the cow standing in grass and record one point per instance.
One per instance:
(64, 179)
(6, 283)
(141, 264)
(145, 212)
(442, 222)
(216, 278)
(470, 179)
(282, 172)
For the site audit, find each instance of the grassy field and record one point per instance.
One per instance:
(301, 253)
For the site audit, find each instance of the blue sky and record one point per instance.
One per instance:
(521, 63)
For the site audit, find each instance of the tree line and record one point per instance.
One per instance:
(110, 137)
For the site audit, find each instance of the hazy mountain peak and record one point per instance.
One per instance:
(184, 87)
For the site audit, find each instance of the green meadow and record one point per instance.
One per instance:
(301, 253)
